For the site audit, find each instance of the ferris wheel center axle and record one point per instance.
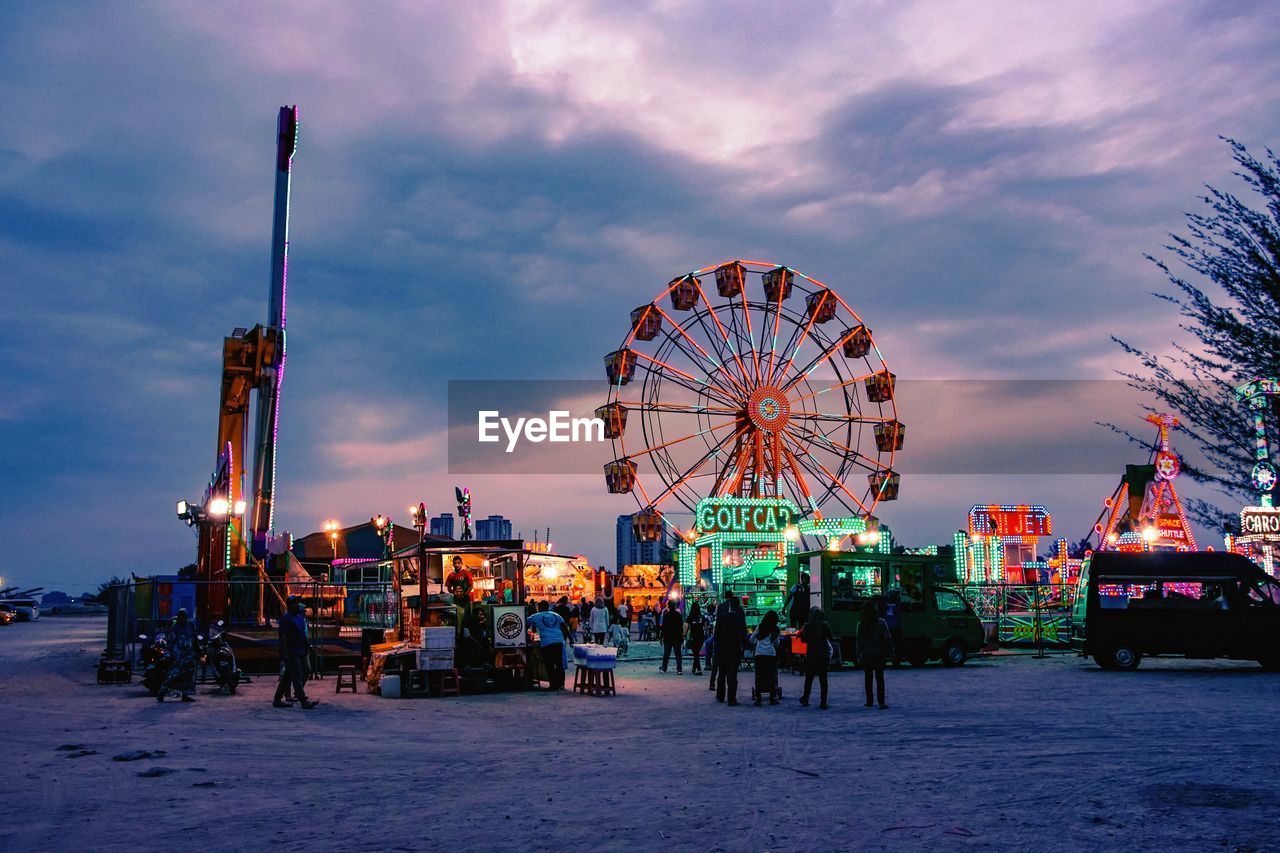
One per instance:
(768, 409)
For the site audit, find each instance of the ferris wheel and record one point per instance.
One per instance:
(750, 379)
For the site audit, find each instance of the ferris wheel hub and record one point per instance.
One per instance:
(768, 409)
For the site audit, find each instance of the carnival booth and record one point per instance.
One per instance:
(740, 546)
(643, 585)
(550, 577)
(463, 608)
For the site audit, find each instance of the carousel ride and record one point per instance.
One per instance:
(752, 399)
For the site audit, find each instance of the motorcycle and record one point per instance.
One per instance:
(218, 654)
(155, 662)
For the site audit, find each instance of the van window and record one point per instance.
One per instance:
(1258, 593)
(948, 601)
(1117, 596)
(850, 581)
(909, 579)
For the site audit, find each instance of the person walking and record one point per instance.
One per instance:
(875, 646)
(182, 648)
(599, 621)
(552, 634)
(672, 637)
(817, 637)
(294, 647)
(696, 631)
(731, 639)
(766, 640)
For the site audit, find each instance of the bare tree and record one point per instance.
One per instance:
(1228, 292)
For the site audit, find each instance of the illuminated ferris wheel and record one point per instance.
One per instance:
(750, 380)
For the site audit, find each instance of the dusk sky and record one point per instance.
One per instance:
(485, 190)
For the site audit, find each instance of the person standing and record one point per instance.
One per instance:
(766, 638)
(294, 647)
(552, 634)
(696, 631)
(672, 637)
(797, 603)
(599, 621)
(182, 648)
(875, 646)
(731, 638)
(817, 636)
(624, 616)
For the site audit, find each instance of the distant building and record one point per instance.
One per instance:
(442, 525)
(493, 527)
(633, 552)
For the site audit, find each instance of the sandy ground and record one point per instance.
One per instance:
(1008, 753)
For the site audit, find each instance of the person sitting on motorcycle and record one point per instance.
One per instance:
(182, 648)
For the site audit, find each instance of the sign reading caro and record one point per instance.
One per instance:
(1260, 521)
(745, 515)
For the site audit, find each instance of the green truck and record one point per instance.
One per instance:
(933, 620)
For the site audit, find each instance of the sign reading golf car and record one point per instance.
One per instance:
(1260, 521)
(745, 515)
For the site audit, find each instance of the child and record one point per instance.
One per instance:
(766, 639)
(620, 638)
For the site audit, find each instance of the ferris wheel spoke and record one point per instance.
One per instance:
(800, 481)
(689, 472)
(746, 313)
(845, 384)
(737, 472)
(826, 353)
(713, 375)
(843, 450)
(715, 318)
(714, 361)
(832, 477)
(679, 440)
(679, 408)
(782, 369)
(686, 380)
(855, 419)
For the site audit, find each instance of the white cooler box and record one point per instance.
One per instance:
(599, 657)
(435, 659)
(439, 639)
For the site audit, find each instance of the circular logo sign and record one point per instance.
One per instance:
(1264, 476)
(1167, 465)
(510, 626)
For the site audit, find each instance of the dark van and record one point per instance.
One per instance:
(933, 620)
(1201, 605)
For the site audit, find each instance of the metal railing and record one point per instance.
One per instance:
(1024, 614)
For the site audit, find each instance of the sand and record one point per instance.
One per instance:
(1007, 752)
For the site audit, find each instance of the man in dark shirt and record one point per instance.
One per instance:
(730, 640)
(294, 646)
(672, 637)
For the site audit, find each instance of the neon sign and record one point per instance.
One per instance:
(1260, 521)
(1007, 520)
(745, 515)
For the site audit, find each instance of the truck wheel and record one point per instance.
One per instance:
(1124, 657)
(1271, 663)
(954, 653)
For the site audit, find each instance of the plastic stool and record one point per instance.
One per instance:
(346, 678)
(450, 683)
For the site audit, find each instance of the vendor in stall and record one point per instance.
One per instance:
(459, 583)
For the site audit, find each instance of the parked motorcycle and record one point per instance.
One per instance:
(218, 654)
(155, 662)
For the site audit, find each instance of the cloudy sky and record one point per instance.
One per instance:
(484, 190)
